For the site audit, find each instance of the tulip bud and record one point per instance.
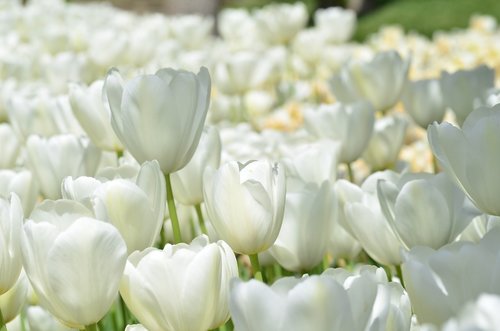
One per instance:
(245, 203)
(93, 115)
(12, 301)
(423, 100)
(463, 87)
(159, 117)
(440, 283)
(55, 158)
(470, 156)
(333, 301)
(379, 81)
(135, 206)
(62, 247)
(384, 146)
(351, 124)
(307, 223)
(188, 284)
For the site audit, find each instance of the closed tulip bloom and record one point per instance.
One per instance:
(351, 124)
(441, 282)
(242, 71)
(11, 222)
(470, 156)
(386, 142)
(365, 221)
(313, 162)
(337, 23)
(182, 287)
(23, 184)
(94, 115)
(307, 223)
(63, 247)
(53, 159)
(188, 182)
(161, 116)
(135, 207)
(379, 81)
(279, 23)
(9, 145)
(245, 203)
(425, 209)
(463, 87)
(423, 100)
(335, 300)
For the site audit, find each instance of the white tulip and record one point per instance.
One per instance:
(463, 87)
(62, 247)
(11, 222)
(187, 183)
(245, 203)
(365, 221)
(337, 23)
(379, 81)
(136, 207)
(314, 162)
(335, 300)
(480, 315)
(55, 158)
(307, 223)
(386, 142)
(351, 124)
(423, 100)
(279, 23)
(182, 287)
(159, 116)
(470, 156)
(12, 301)
(23, 184)
(440, 283)
(94, 115)
(425, 209)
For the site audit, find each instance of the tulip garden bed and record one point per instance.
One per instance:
(275, 176)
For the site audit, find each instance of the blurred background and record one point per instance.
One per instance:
(422, 16)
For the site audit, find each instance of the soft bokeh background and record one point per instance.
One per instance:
(423, 16)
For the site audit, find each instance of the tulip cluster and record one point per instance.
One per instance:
(154, 176)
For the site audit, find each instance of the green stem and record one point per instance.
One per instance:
(172, 211)
(123, 311)
(257, 273)
(399, 273)
(22, 316)
(350, 173)
(3, 326)
(203, 227)
(91, 327)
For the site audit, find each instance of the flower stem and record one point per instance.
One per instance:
(257, 273)
(2, 322)
(350, 173)
(203, 227)
(172, 211)
(91, 327)
(399, 273)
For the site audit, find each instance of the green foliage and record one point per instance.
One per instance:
(426, 16)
